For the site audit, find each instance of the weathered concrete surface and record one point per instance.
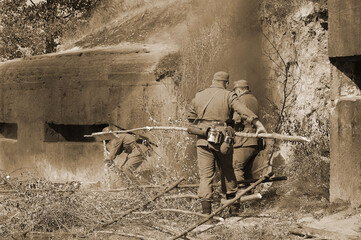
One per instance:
(344, 49)
(346, 79)
(78, 88)
(344, 28)
(345, 172)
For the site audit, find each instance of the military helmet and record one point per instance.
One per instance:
(107, 129)
(221, 76)
(240, 84)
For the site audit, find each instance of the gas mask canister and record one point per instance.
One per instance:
(214, 135)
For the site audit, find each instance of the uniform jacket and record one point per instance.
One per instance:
(220, 108)
(117, 146)
(249, 100)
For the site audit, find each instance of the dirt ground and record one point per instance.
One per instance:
(43, 210)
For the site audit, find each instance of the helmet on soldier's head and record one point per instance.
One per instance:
(106, 129)
(221, 76)
(240, 84)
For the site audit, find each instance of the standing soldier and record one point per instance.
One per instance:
(245, 150)
(212, 109)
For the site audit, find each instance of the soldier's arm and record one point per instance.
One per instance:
(246, 113)
(236, 118)
(192, 114)
(113, 147)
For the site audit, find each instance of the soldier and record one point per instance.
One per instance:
(213, 107)
(245, 150)
(127, 143)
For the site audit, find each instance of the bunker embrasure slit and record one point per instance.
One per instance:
(8, 130)
(70, 133)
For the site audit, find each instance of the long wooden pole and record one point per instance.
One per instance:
(229, 202)
(184, 129)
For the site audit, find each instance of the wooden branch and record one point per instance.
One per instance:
(231, 201)
(182, 196)
(182, 212)
(172, 186)
(164, 230)
(300, 233)
(274, 136)
(123, 234)
(305, 231)
(111, 135)
(189, 212)
(246, 198)
(34, 190)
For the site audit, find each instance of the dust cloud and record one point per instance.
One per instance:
(236, 41)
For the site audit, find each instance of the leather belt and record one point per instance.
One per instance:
(213, 122)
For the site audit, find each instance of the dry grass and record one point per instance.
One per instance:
(33, 204)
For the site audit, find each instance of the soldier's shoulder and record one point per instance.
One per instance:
(251, 96)
(230, 93)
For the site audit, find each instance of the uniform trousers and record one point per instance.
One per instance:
(208, 157)
(133, 161)
(243, 158)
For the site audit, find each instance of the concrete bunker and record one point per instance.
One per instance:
(48, 102)
(345, 55)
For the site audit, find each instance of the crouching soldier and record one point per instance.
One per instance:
(135, 149)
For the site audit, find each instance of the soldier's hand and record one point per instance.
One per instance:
(230, 131)
(259, 126)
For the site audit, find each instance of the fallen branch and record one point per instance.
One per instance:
(246, 198)
(138, 207)
(101, 136)
(231, 201)
(180, 211)
(164, 230)
(304, 231)
(301, 233)
(122, 234)
(182, 196)
(242, 199)
(34, 190)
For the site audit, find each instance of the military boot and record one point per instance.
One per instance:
(234, 209)
(207, 209)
